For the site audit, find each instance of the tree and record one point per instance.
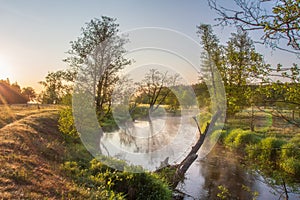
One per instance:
(212, 63)
(281, 94)
(97, 57)
(56, 86)
(155, 88)
(238, 63)
(282, 23)
(244, 66)
(16, 87)
(29, 93)
(10, 94)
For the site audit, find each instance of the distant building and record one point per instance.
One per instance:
(10, 96)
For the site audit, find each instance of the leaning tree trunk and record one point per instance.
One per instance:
(192, 156)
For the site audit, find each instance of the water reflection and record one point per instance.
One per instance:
(168, 137)
(222, 167)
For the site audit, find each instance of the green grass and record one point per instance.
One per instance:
(273, 147)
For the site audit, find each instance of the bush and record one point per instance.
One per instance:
(290, 156)
(270, 149)
(66, 122)
(253, 151)
(133, 185)
(290, 150)
(108, 124)
(146, 186)
(291, 165)
(230, 138)
(245, 138)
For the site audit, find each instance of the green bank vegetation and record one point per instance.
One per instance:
(262, 101)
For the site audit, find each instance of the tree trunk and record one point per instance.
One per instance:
(192, 156)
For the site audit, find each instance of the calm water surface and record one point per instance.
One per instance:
(172, 137)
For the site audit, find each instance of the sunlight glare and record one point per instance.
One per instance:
(4, 69)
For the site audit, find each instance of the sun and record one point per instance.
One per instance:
(5, 71)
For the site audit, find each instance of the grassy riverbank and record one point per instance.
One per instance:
(38, 161)
(273, 147)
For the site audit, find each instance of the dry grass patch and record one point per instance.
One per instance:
(31, 152)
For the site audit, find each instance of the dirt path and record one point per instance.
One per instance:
(10, 114)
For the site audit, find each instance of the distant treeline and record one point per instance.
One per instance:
(13, 94)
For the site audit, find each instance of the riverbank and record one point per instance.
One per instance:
(272, 148)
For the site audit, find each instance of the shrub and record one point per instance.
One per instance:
(290, 150)
(291, 165)
(245, 138)
(253, 151)
(270, 149)
(108, 123)
(290, 156)
(71, 168)
(230, 138)
(66, 122)
(146, 186)
(167, 174)
(142, 185)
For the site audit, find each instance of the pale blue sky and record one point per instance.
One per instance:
(35, 34)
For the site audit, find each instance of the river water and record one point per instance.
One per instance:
(219, 167)
(223, 167)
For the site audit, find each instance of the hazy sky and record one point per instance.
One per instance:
(35, 34)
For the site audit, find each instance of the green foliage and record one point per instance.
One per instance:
(291, 165)
(290, 150)
(167, 174)
(224, 192)
(66, 122)
(283, 93)
(270, 149)
(238, 138)
(56, 86)
(97, 56)
(142, 186)
(142, 112)
(108, 123)
(155, 88)
(132, 185)
(204, 118)
(245, 138)
(290, 156)
(229, 140)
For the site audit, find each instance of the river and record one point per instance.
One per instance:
(219, 167)
(223, 167)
